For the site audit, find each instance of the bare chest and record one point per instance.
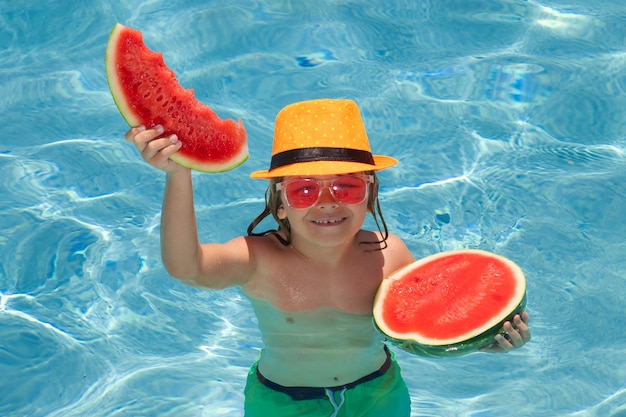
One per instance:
(302, 286)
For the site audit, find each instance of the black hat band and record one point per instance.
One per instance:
(294, 156)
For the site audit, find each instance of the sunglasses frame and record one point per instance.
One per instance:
(368, 178)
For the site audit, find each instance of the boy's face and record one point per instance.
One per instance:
(327, 221)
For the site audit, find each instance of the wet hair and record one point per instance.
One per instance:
(273, 203)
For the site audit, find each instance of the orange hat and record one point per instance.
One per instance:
(321, 137)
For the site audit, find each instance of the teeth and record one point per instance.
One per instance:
(327, 221)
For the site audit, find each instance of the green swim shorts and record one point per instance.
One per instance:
(382, 393)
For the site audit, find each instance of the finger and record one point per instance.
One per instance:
(518, 331)
(512, 335)
(144, 137)
(173, 146)
(162, 159)
(132, 132)
(140, 136)
(504, 342)
(525, 317)
(161, 149)
(521, 324)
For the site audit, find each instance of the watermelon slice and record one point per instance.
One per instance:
(451, 303)
(146, 92)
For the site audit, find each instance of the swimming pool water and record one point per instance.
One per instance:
(508, 118)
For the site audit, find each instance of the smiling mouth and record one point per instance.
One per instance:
(328, 221)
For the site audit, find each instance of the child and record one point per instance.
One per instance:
(311, 282)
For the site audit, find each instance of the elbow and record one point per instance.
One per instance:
(192, 277)
(181, 273)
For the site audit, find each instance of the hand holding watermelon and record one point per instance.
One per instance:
(156, 150)
(513, 336)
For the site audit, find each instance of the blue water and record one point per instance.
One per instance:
(508, 117)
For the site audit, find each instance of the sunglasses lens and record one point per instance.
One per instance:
(349, 190)
(304, 193)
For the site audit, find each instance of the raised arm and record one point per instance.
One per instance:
(180, 247)
(210, 265)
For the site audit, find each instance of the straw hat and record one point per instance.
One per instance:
(321, 137)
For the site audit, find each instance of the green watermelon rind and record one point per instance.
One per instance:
(472, 344)
(132, 121)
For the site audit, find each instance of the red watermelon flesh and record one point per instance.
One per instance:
(147, 93)
(450, 303)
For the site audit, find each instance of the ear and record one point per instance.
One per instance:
(281, 213)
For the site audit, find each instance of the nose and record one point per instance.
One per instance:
(326, 198)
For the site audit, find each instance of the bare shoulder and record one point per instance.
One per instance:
(236, 261)
(399, 253)
(394, 250)
(264, 252)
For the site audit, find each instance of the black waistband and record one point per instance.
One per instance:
(313, 393)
